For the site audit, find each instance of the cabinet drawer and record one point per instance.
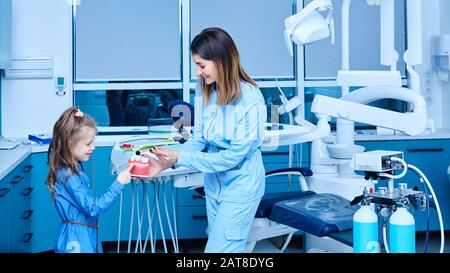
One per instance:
(192, 222)
(187, 197)
(282, 155)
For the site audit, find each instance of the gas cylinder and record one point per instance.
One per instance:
(365, 230)
(402, 233)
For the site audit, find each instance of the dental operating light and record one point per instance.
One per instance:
(308, 25)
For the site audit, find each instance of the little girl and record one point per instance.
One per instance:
(73, 143)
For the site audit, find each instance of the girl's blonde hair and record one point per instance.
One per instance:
(66, 131)
(216, 45)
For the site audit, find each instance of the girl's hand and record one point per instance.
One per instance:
(125, 176)
(165, 154)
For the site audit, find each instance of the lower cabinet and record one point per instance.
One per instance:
(192, 222)
(5, 204)
(15, 208)
(45, 220)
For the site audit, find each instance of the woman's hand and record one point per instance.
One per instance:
(157, 166)
(165, 154)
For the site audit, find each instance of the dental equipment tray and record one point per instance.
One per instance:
(318, 214)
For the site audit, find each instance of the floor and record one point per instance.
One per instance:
(273, 245)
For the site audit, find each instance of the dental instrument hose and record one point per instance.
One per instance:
(405, 169)
(385, 239)
(438, 208)
(427, 234)
(120, 222)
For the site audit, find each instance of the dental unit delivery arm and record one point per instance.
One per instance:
(352, 107)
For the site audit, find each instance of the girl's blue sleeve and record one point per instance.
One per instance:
(84, 198)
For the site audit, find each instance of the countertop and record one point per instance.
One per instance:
(9, 159)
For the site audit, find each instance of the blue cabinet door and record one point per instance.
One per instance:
(15, 210)
(281, 154)
(372, 145)
(433, 158)
(5, 194)
(192, 222)
(45, 220)
(99, 172)
(20, 228)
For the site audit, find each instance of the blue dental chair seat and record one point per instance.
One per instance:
(270, 199)
(317, 214)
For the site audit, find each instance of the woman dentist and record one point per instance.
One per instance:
(229, 129)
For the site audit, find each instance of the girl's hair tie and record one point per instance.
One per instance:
(78, 113)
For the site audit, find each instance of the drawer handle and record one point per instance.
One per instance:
(27, 214)
(196, 196)
(27, 168)
(4, 192)
(275, 153)
(426, 150)
(17, 179)
(199, 217)
(28, 191)
(27, 237)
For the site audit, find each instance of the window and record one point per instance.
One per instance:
(323, 60)
(257, 29)
(118, 40)
(128, 107)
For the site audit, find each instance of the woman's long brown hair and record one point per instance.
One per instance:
(216, 45)
(66, 131)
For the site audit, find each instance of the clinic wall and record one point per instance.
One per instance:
(445, 19)
(430, 28)
(1, 133)
(445, 30)
(39, 28)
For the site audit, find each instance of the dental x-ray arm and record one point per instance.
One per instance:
(310, 12)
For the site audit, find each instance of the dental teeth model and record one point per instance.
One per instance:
(140, 166)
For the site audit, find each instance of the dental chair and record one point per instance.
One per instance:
(285, 213)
